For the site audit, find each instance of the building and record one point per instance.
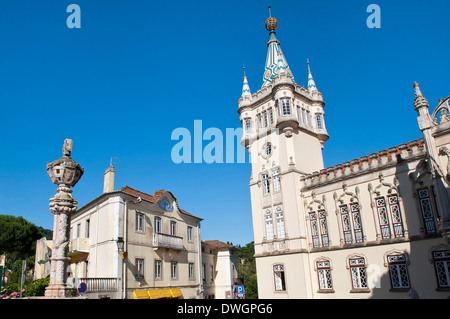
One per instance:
(219, 273)
(130, 244)
(373, 227)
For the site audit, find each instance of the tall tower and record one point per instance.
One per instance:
(284, 132)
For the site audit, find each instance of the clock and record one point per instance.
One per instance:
(165, 205)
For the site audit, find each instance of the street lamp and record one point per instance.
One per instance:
(120, 245)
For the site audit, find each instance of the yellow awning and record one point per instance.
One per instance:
(157, 293)
(176, 292)
(140, 294)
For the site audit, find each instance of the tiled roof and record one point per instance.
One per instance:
(152, 198)
(217, 244)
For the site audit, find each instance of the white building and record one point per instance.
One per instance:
(373, 227)
(130, 244)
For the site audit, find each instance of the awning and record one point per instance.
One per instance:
(157, 293)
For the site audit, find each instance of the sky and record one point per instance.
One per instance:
(137, 70)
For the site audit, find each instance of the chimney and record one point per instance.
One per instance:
(108, 184)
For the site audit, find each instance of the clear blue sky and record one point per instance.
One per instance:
(136, 70)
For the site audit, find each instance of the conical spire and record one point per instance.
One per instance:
(246, 93)
(311, 84)
(275, 56)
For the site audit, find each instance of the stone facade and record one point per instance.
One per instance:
(373, 227)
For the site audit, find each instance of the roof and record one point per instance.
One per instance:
(136, 193)
(217, 244)
(152, 198)
(361, 165)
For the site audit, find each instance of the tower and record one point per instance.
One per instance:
(284, 133)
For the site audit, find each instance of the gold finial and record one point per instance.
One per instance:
(271, 22)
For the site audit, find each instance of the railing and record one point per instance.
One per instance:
(167, 241)
(99, 284)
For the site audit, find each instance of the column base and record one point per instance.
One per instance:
(58, 291)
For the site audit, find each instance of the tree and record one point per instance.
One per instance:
(246, 268)
(17, 238)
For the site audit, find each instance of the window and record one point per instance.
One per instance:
(304, 117)
(383, 217)
(442, 267)
(319, 123)
(204, 274)
(259, 121)
(269, 225)
(285, 106)
(299, 114)
(319, 228)
(427, 211)
(158, 269)
(323, 227)
(173, 270)
(357, 225)
(396, 215)
(324, 275)
(78, 230)
(212, 272)
(88, 224)
(314, 229)
(173, 228)
(191, 271)
(271, 116)
(264, 119)
(398, 271)
(278, 272)
(358, 273)
(189, 234)
(279, 219)
(266, 183)
(139, 267)
(248, 126)
(346, 224)
(157, 225)
(276, 180)
(139, 222)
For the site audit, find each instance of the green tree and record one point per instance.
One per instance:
(18, 237)
(246, 268)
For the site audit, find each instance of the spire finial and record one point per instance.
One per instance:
(244, 71)
(311, 84)
(271, 22)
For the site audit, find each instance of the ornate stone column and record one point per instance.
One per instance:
(65, 173)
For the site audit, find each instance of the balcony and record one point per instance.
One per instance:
(79, 246)
(167, 241)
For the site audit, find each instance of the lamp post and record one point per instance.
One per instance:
(120, 245)
(65, 173)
